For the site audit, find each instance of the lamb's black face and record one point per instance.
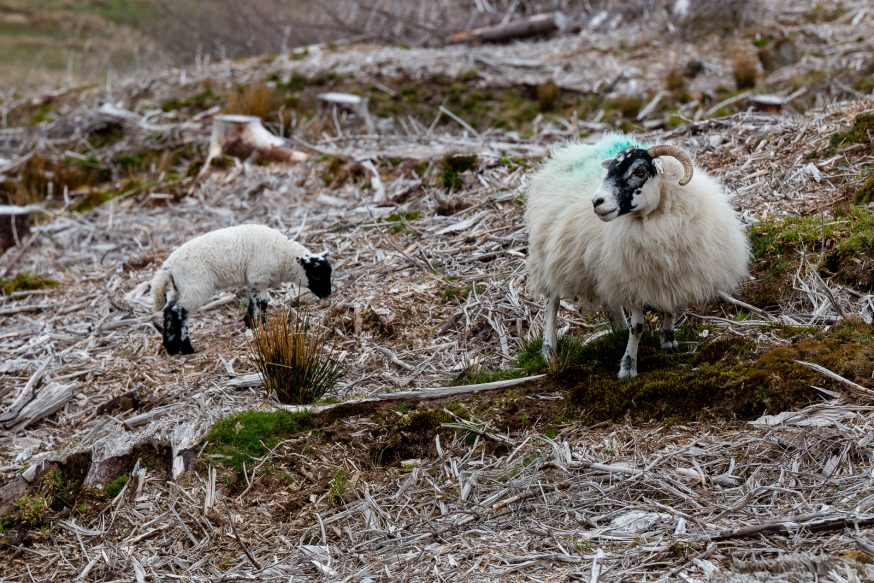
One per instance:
(318, 272)
(629, 186)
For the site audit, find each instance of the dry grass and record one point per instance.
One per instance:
(745, 68)
(296, 361)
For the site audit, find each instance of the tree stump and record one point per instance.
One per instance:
(14, 225)
(244, 137)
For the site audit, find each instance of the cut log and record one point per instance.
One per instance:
(521, 28)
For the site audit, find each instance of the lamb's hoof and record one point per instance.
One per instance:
(186, 347)
(628, 368)
(547, 351)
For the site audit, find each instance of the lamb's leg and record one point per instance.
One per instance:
(666, 333)
(257, 308)
(616, 316)
(176, 339)
(628, 366)
(549, 340)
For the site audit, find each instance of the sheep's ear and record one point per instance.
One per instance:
(324, 254)
(606, 163)
(659, 165)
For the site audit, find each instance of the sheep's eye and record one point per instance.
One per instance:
(640, 172)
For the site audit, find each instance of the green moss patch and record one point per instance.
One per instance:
(861, 132)
(399, 221)
(453, 165)
(726, 378)
(237, 440)
(27, 281)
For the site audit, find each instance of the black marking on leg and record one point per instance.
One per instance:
(175, 337)
(666, 336)
(629, 363)
(638, 329)
(249, 318)
(262, 310)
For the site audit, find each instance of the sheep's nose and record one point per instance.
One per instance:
(598, 201)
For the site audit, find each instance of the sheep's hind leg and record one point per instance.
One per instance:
(176, 339)
(549, 338)
(616, 316)
(628, 366)
(666, 333)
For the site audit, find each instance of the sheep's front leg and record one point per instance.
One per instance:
(549, 340)
(666, 333)
(628, 366)
(176, 339)
(257, 308)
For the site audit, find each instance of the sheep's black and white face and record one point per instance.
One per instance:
(318, 273)
(630, 187)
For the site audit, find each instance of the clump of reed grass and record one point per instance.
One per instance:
(297, 362)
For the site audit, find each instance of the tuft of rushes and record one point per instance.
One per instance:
(298, 364)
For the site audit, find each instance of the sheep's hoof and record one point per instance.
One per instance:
(671, 346)
(628, 368)
(666, 338)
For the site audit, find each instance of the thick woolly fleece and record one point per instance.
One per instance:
(252, 256)
(688, 249)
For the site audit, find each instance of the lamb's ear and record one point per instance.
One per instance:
(606, 163)
(324, 254)
(659, 165)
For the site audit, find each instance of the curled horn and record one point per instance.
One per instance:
(675, 152)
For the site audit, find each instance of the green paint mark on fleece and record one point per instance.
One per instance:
(584, 160)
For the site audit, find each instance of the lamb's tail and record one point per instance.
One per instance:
(160, 283)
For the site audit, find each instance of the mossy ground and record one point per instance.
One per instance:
(238, 440)
(27, 281)
(840, 246)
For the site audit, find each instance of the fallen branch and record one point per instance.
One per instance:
(790, 527)
(836, 377)
(254, 380)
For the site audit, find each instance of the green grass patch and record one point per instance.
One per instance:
(338, 484)
(241, 438)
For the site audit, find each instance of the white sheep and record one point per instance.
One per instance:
(651, 232)
(254, 256)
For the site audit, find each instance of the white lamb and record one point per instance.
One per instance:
(253, 256)
(652, 232)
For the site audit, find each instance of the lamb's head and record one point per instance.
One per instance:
(633, 182)
(318, 273)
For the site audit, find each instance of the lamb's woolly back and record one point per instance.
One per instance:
(230, 257)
